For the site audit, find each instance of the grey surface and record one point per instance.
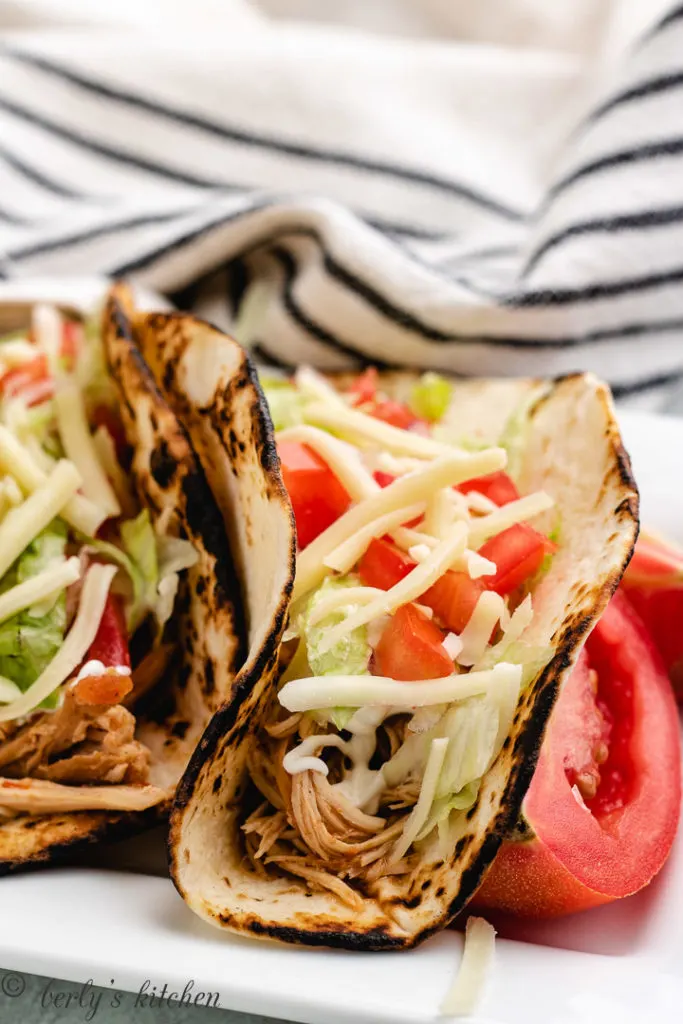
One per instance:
(29, 999)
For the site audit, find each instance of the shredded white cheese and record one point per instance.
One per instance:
(412, 586)
(406, 538)
(342, 458)
(419, 552)
(78, 444)
(478, 502)
(347, 554)
(440, 515)
(452, 645)
(41, 587)
(420, 811)
(356, 424)
(23, 524)
(477, 633)
(463, 996)
(417, 486)
(508, 515)
(317, 692)
(343, 597)
(47, 329)
(106, 453)
(76, 643)
(312, 384)
(18, 461)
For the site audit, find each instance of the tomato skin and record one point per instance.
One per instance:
(518, 553)
(411, 647)
(31, 381)
(394, 413)
(579, 859)
(110, 645)
(364, 387)
(317, 496)
(383, 565)
(453, 598)
(653, 584)
(497, 487)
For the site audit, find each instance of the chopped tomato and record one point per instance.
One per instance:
(31, 381)
(604, 802)
(317, 496)
(110, 645)
(518, 553)
(453, 598)
(70, 343)
(497, 487)
(411, 647)
(364, 387)
(396, 414)
(383, 565)
(383, 479)
(654, 584)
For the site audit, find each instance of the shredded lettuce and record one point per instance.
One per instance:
(515, 436)
(349, 656)
(284, 401)
(431, 396)
(28, 641)
(152, 564)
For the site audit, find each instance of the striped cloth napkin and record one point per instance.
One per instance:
(489, 188)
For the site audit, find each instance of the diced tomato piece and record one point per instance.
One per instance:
(396, 414)
(518, 553)
(317, 496)
(411, 647)
(38, 391)
(364, 387)
(383, 479)
(383, 565)
(453, 598)
(110, 645)
(22, 381)
(497, 487)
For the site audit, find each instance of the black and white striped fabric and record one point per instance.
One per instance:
(484, 209)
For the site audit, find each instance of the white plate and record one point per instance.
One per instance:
(621, 964)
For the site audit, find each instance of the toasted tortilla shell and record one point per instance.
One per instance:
(574, 452)
(207, 623)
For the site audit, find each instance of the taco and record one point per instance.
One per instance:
(456, 543)
(120, 622)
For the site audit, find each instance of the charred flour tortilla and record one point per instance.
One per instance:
(179, 679)
(570, 449)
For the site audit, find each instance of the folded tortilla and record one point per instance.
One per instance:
(43, 819)
(573, 451)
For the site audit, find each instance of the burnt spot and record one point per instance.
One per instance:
(209, 677)
(162, 464)
(460, 845)
(200, 586)
(186, 855)
(217, 783)
(179, 729)
(168, 376)
(412, 903)
(184, 677)
(426, 884)
(440, 892)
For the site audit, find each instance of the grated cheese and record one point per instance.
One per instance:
(47, 328)
(44, 585)
(442, 472)
(452, 645)
(75, 646)
(315, 693)
(22, 525)
(106, 454)
(508, 515)
(341, 598)
(440, 514)
(78, 444)
(477, 633)
(342, 458)
(366, 428)
(419, 579)
(312, 384)
(347, 554)
(420, 811)
(18, 461)
(477, 957)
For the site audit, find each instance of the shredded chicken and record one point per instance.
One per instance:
(38, 796)
(77, 744)
(305, 826)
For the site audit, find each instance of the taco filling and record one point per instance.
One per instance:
(87, 584)
(418, 555)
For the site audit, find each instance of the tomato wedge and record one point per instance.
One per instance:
(364, 387)
(654, 585)
(383, 565)
(518, 553)
(411, 647)
(317, 496)
(110, 645)
(396, 414)
(497, 487)
(604, 801)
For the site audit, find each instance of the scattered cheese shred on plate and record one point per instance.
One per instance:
(477, 957)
